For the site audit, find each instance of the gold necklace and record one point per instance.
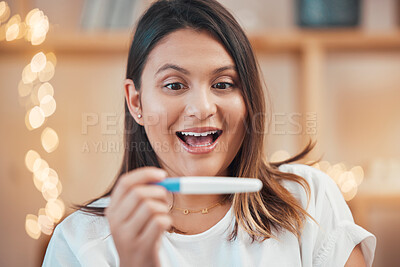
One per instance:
(203, 211)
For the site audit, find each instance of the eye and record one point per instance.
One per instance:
(174, 86)
(222, 85)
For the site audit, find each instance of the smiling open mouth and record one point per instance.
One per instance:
(203, 139)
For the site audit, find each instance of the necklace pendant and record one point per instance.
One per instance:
(204, 211)
(186, 211)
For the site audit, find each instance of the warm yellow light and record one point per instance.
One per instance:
(51, 193)
(350, 194)
(24, 89)
(47, 73)
(358, 173)
(37, 181)
(279, 155)
(344, 177)
(37, 39)
(34, 95)
(12, 28)
(40, 167)
(52, 58)
(12, 32)
(32, 226)
(51, 180)
(45, 89)
(23, 29)
(38, 62)
(34, 17)
(29, 16)
(4, 11)
(55, 209)
(46, 224)
(16, 19)
(30, 157)
(27, 75)
(36, 117)
(341, 166)
(39, 26)
(45, 175)
(48, 105)
(348, 185)
(49, 140)
(334, 172)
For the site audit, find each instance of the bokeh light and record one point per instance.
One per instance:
(38, 26)
(4, 11)
(38, 62)
(40, 167)
(12, 32)
(51, 192)
(30, 158)
(24, 89)
(32, 226)
(12, 28)
(47, 73)
(358, 173)
(45, 89)
(52, 58)
(27, 75)
(36, 117)
(46, 224)
(49, 139)
(347, 180)
(55, 209)
(48, 105)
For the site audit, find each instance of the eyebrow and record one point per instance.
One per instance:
(186, 72)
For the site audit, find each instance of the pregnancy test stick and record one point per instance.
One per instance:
(211, 185)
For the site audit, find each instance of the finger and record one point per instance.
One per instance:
(132, 200)
(145, 213)
(143, 175)
(154, 229)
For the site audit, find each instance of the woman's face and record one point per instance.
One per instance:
(189, 88)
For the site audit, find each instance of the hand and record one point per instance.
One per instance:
(138, 215)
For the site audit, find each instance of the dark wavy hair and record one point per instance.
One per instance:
(257, 213)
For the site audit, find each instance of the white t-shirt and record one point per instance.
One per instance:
(85, 240)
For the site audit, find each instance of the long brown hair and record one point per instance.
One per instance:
(257, 213)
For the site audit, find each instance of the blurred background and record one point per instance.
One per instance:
(332, 68)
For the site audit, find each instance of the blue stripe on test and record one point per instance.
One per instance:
(171, 184)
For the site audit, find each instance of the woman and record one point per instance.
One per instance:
(191, 70)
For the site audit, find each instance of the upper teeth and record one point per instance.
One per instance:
(199, 134)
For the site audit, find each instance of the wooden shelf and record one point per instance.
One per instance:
(326, 39)
(263, 42)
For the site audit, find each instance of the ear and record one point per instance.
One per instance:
(132, 97)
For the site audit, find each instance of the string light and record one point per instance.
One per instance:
(37, 95)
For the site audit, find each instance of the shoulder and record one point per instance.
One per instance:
(81, 227)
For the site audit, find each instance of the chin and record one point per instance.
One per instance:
(201, 171)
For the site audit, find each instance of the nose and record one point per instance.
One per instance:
(200, 103)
